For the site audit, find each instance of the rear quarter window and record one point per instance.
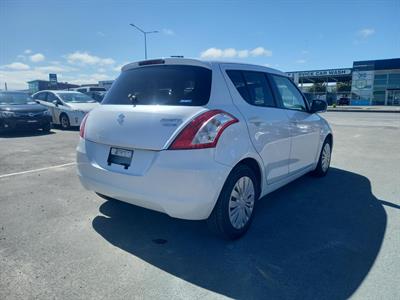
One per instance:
(161, 85)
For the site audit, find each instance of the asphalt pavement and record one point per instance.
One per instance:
(330, 238)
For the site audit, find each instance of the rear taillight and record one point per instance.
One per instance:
(204, 131)
(82, 128)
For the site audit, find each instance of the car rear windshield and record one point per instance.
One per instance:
(161, 85)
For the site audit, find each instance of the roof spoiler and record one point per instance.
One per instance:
(151, 62)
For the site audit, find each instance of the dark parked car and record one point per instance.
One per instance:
(343, 101)
(19, 111)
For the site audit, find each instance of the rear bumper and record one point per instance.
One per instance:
(183, 184)
(24, 123)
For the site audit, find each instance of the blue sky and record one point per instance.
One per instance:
(87, 41)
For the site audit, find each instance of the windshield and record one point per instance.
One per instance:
(161, 85)
(75, 97)
(15, 98)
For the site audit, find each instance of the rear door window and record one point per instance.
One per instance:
(253, 87)
(161, 85)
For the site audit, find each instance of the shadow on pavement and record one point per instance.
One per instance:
(313, 239)
(24, 133)
(72, 128)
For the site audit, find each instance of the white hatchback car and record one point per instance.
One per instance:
(201, 140)
(67, 107)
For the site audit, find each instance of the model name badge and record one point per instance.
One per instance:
(171, 122)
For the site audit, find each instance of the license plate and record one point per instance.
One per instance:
(120, 156)
(32, 121)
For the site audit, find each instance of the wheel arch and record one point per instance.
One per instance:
(63, 114)
(329, 137)
(253, 164)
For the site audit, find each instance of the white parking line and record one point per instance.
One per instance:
(38, 170)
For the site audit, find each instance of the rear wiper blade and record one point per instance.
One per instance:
(133, 99)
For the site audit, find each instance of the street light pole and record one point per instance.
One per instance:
(145, 33)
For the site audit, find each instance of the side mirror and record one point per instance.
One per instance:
(318, 106)
(55, 102)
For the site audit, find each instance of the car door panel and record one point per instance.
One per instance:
(55, 110)
(304, 127)
(305, 133)
(44, 99)
(268, 127)
(269, 133)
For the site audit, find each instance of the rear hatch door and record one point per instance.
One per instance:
(143, 126)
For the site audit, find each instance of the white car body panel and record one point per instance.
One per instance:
(164, 181)
(186, 183)
(305, 130)
(268, 129)
(74, 111)
(154, 124)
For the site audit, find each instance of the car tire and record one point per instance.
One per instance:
(47, 127)
(324, 160)
(64, 121)
(233, 214)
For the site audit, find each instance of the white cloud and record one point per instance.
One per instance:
(28, 51)
(243, 53)
(366, 32)
(88, 78)
(230, 52)
(100, 33)
(56, 69)
(213, 53)
(301, 61)
(260, 51)
(119, 67)
(37, 57)
(167, 31)
(85, 58)
(19, 79)
(16, 66)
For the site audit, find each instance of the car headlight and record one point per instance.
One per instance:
(47, 113)
(7, 114)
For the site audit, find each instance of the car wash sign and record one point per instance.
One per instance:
(321, 73)
(53, 80)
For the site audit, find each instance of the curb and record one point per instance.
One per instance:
(363, 110)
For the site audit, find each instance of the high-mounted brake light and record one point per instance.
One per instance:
(151, 62)
(82, 127)
(204, 131)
